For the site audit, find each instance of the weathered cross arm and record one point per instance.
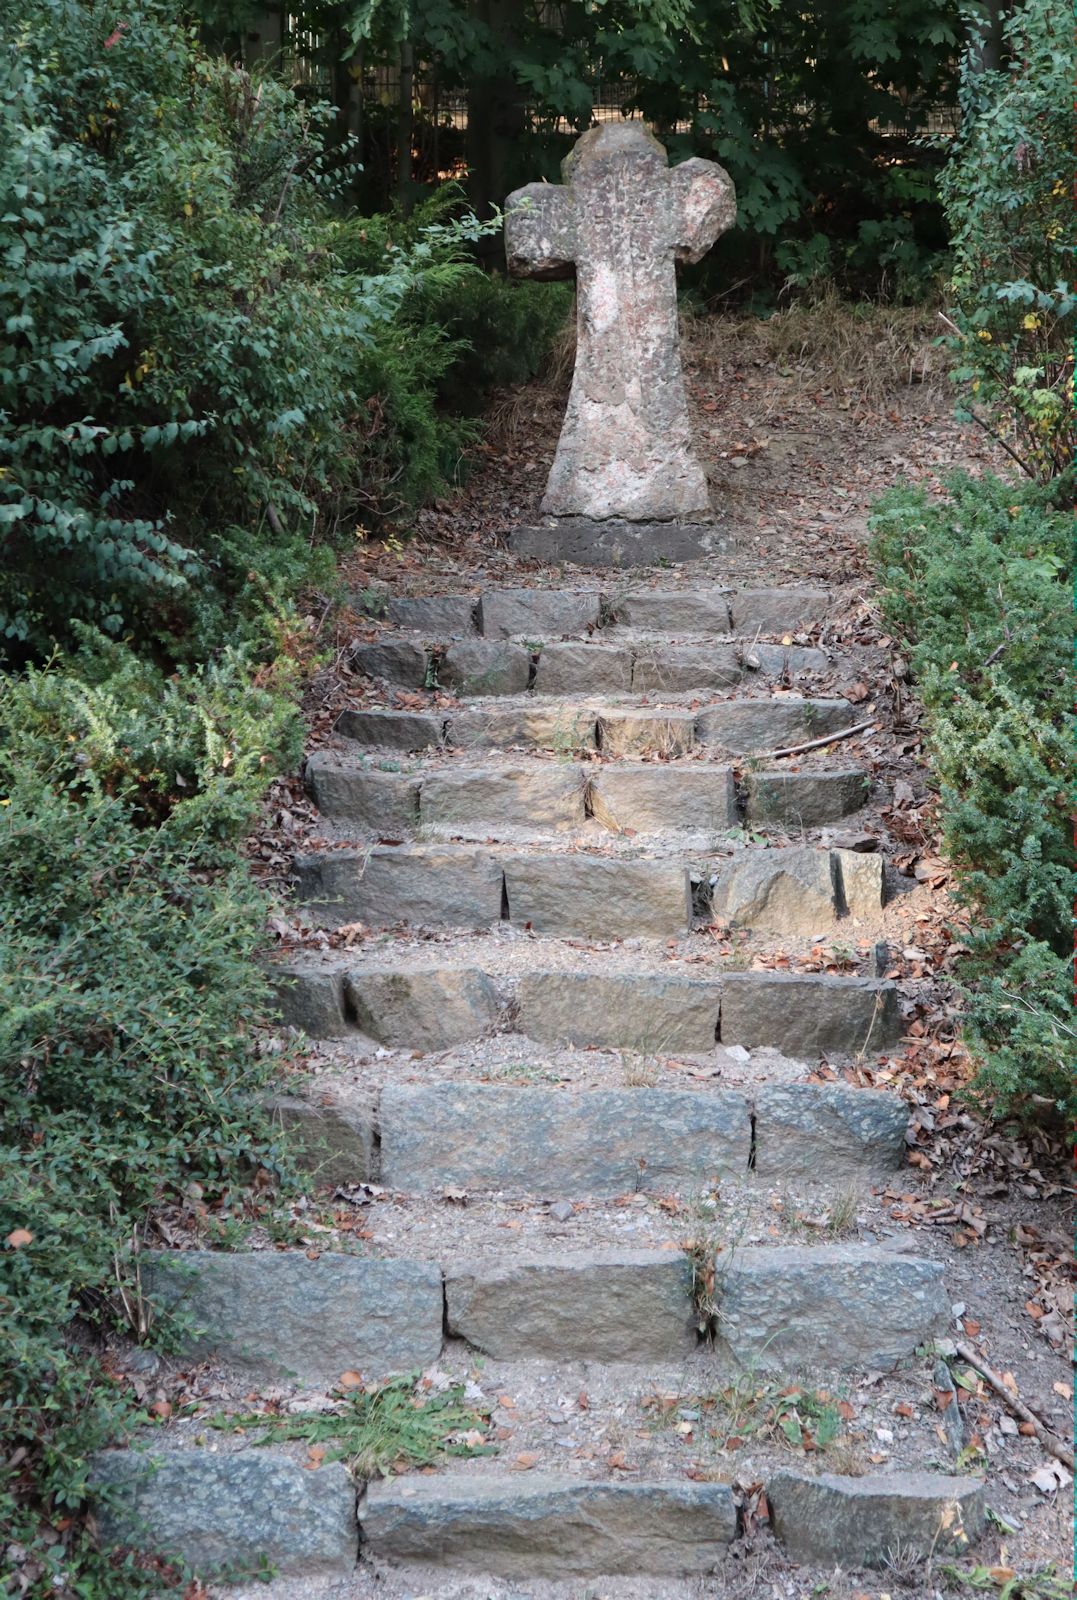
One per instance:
(540, 231)
(704, 206)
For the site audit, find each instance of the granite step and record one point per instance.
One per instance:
(619, 893)
(309, 1317)
(516, 1139)
(493, 667)
(247, 1509)
(420, 1002)
(515, 613)
(569, 727)
(529, 798)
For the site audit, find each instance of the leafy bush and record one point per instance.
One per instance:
(978, 587)
(198, 376)
(1008, 194)
(129, 930)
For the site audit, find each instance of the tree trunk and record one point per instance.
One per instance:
(405, 125)
(496, 116)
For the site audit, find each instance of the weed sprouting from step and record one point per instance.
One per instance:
(1039, 1583)
(758, 1409)
(710, 1254)
(387, 1426)
(640, 1071)
(838, 1221)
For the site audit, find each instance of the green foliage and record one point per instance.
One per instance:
(1009, 198)
(978, 586)
(129, 930)
(817, 111)
(187, 349)
(379, 1429)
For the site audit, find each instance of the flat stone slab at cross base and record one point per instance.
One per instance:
(789, 1308)
(827, 1132)
(593, 1305)
(872, 1521)
(808, 1014)
(276, 1313)
(227, 1511)
(584, 543)
(648, 1012)
(548, 1525)
(552, 1142)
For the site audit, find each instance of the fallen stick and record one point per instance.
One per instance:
(1050, 1441)
(813, 744)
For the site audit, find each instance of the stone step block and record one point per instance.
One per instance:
(595, 1305)
(776, 660)
(744, 726)
(805, 1015)
(548, 1525)
(435, 616)
(567, 730)
(682, 668)
(614, 543)
(479, 667)
(422, 1009)
(331, 1143)
(828, 1133)
(229, 1511)
(385, 804)
(276, 1313)
(551, 1141)
(310, 997)
(673, 611)
(537, 613)
(860, 883)
(392, 730)
(445, 886)
(649, 1012)
(876, 1521)
(791, 891)
(793, 1308)
(400, 661)
(584, 669)
(787, 610)
(598, 897)
(658, 798)
(807, 799)
(533, 799)
(643, 732)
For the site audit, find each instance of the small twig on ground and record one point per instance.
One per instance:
(813, 744)
(1050, 1441)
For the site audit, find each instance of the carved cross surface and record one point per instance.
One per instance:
(622, 219)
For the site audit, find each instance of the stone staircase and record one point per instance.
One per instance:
(551, 860)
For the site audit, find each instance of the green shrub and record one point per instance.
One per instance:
(189, 345)
(129, 985)
(1008, 195)
(977, 585)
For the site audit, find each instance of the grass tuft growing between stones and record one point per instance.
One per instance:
(376, 1429)
(756, 1410)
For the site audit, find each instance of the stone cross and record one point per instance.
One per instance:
(622, 219)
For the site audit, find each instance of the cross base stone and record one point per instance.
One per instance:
(617, 543)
